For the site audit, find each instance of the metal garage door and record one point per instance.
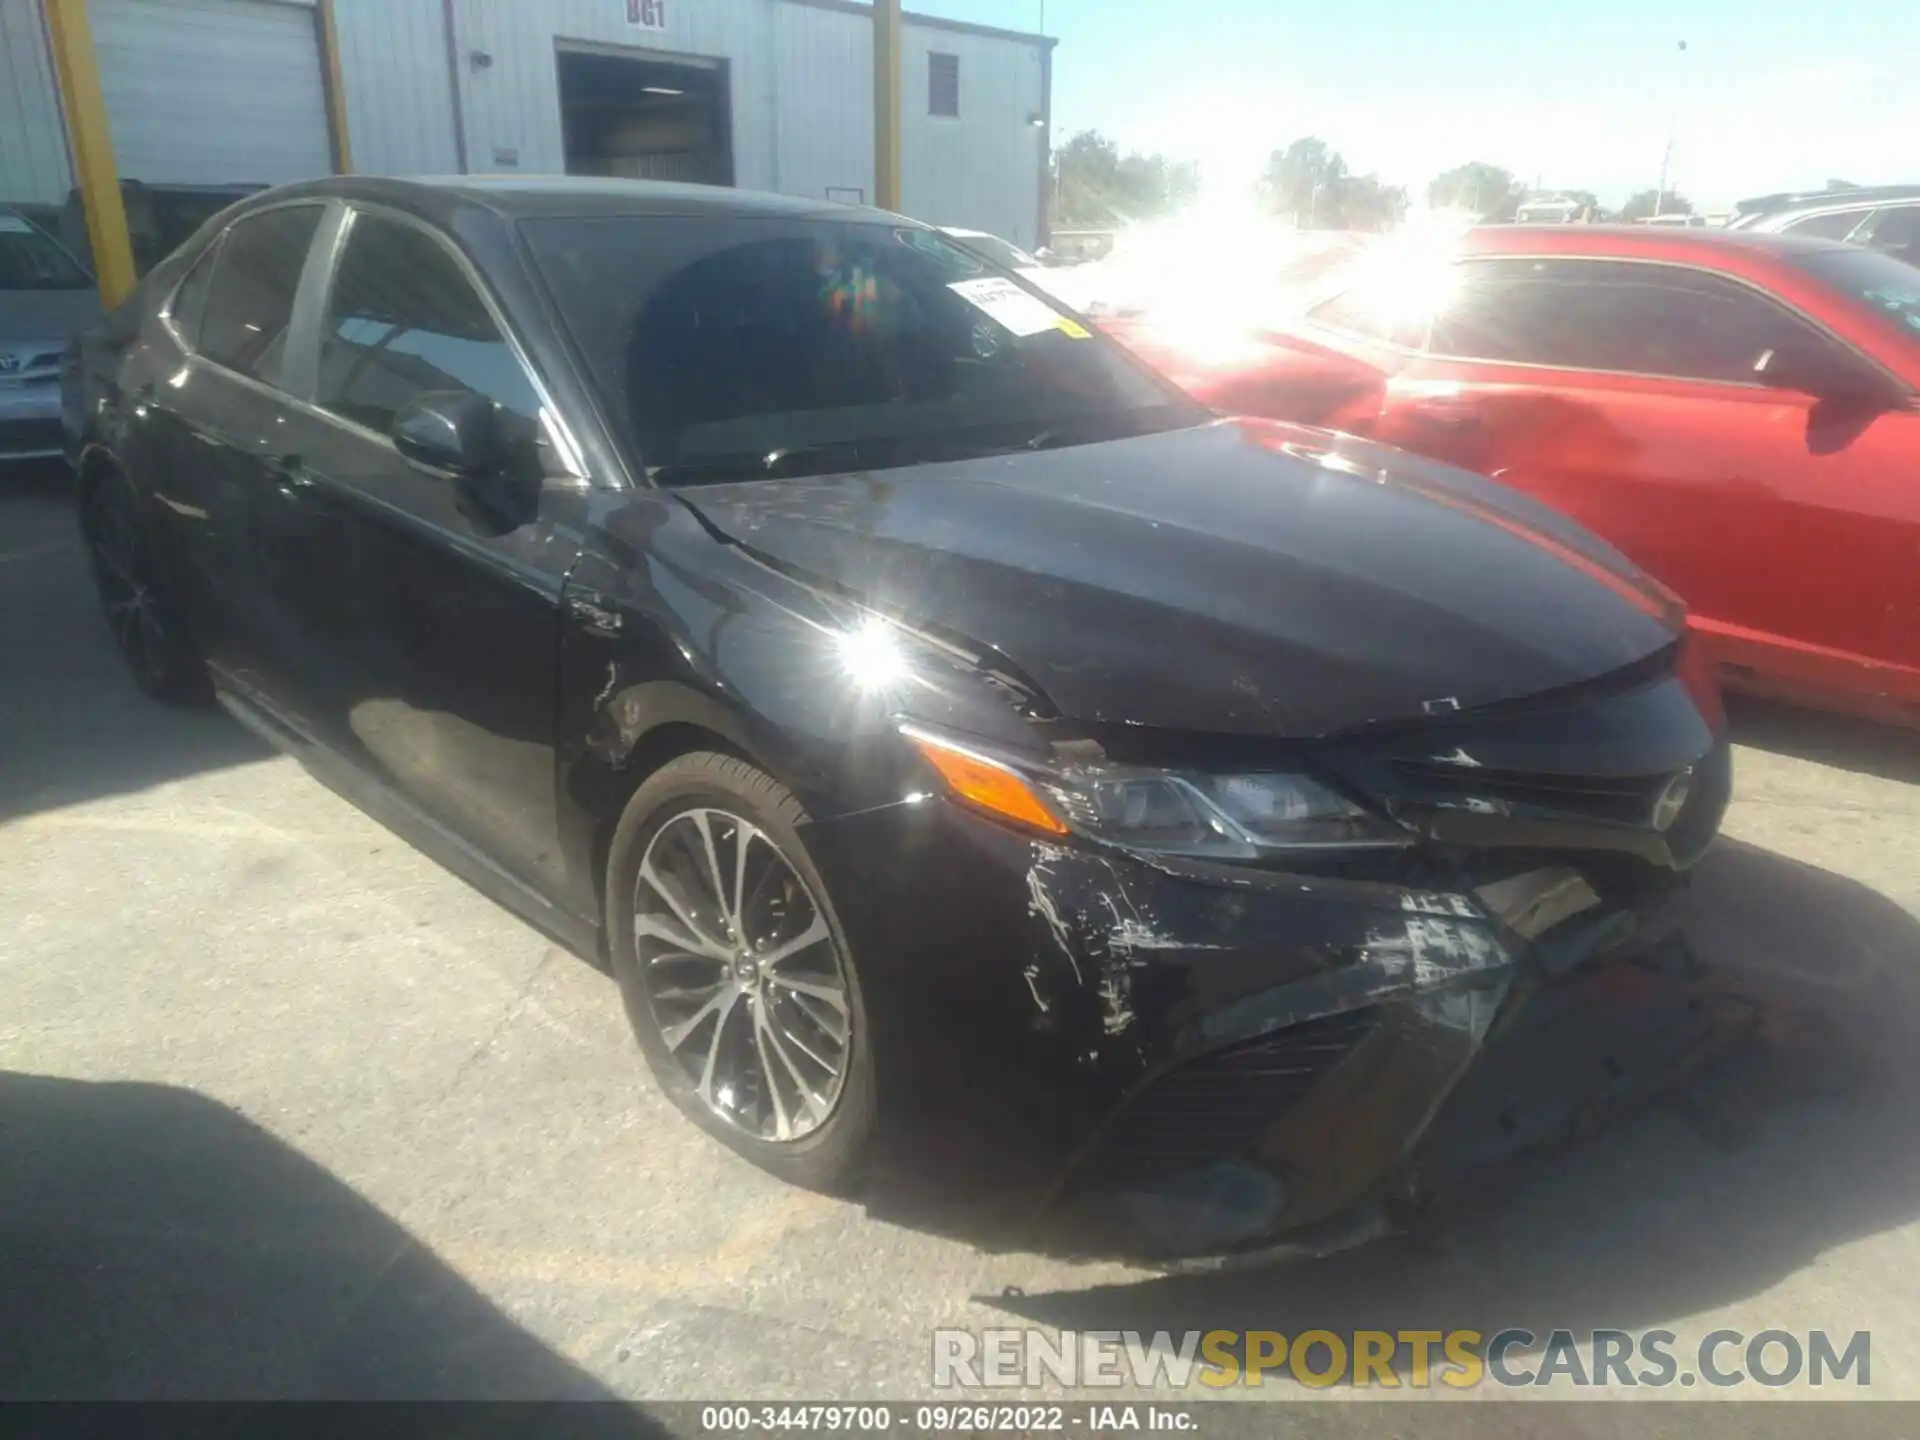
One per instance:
(204, 92)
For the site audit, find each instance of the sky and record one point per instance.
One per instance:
(1767, 95)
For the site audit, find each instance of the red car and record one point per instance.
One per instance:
(1735, 412)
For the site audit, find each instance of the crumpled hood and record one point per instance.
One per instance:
(1242, 577)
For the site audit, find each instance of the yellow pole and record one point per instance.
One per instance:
(886, 104)
(336, 89)
(92, 145)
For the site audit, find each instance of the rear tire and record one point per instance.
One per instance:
(147, 628)
(737, 977)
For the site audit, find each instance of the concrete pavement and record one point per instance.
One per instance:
(286, 1109)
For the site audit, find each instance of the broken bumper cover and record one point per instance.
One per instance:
(1297, 1111)
(1201, 1061)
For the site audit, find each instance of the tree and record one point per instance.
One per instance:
(1487, 190)
(1308, 182)
(1641, 206)
(1095, 185)
(1364, 203)
(1301, 179)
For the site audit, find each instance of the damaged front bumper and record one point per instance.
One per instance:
(1190, 1061)
(1295, 1111)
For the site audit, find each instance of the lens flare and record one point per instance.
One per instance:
(870, 656)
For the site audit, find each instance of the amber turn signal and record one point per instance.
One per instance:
(985, 783)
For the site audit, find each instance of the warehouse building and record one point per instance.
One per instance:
(764, 94)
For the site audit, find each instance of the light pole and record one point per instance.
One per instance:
(1673, 125)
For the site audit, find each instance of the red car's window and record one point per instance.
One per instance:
(1615, 315)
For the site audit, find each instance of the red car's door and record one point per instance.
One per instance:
(1635, 396)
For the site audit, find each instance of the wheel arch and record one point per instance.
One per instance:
(96, 464)
(656, 723)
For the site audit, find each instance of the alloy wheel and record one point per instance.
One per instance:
(126, 589)
(745, 979)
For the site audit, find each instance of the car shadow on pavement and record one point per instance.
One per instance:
(74, 726)
(1889, 751)
(157, 1245)
(1804, 1137)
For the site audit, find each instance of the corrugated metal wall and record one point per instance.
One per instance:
(823, 112)
(399, 87)
(800, 76)
(512, 105)
(33, 138)
(980, 170)
(212, 91)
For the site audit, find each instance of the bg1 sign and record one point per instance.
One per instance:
(647, 14)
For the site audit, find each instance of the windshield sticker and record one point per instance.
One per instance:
(1007, 305)
(14, 225)
(1072, 329)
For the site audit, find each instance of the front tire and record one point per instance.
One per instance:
(736, 975)
(147, 627)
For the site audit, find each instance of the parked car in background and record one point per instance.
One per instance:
(995, 251)
(939, 724)
(1562, 211)
(159, 218)
(1061, 283)
(46, 300)
(1735, 411)
(1886, 218)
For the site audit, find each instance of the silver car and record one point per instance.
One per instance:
(46, 298)
(1885, 218)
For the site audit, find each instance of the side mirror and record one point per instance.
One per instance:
(1829, 377)
(452, 430)
(496, 485)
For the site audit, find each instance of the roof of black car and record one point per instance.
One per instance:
(521, 196)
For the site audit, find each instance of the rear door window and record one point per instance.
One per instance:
(1836, 225)
(403, 319)
(249, 302)
(1623, 316)
(1896, 232)
(190, 300)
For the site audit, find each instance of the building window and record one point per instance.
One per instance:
(943, 84)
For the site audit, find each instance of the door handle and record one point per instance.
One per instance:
(290, 474)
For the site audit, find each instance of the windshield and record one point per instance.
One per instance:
(996, 251)
(763, 345)
(1888, 287)
(30, 260)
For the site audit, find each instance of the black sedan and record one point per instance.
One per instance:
(924, 711)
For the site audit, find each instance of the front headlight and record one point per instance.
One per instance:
(1221, 817)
